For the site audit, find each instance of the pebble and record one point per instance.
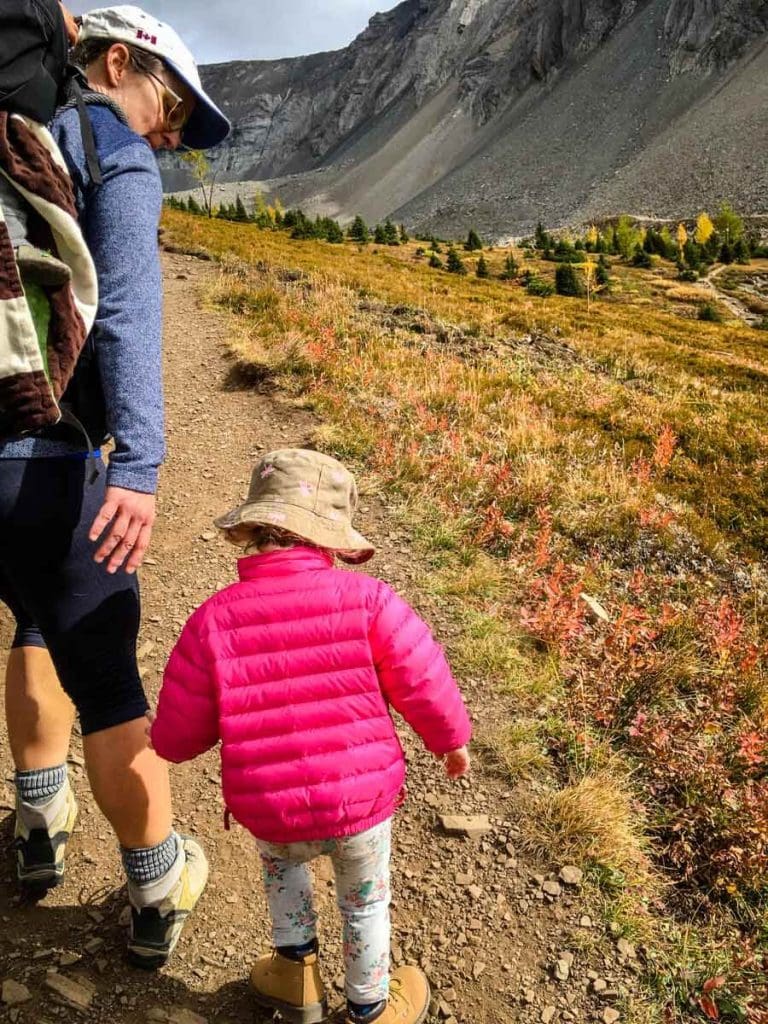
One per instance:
(571, 875)
(14, 993)
(562, 970)
(599, 985)
(611, 1016)
(552, 889)
(626, 949)
(548, 1014)
(585, 921)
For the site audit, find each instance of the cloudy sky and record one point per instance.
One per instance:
(218, 30)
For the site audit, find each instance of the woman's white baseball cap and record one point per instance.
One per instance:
(207, 126)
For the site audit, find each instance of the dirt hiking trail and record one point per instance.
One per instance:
(502, 939)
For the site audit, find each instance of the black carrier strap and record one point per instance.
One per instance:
(86, 130)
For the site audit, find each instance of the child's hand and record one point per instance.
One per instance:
(457, 763)
(150, 717)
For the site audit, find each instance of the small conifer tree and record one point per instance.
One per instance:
(511, 268)
(729, 224)
(482, 268)
(455, 264)
(391, 236)
(473, 242)
(568, 280)
(241, 214)
(404, 236)
(334, 233)
(541, 239)
(379, 235)
(692, 254)
(435, 261)
(358, 230)
(741, 251)
(641, 258)
(603, 271)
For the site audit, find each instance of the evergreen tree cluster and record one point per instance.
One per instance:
(722, 239)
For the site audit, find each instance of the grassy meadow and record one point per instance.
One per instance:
(587, 485)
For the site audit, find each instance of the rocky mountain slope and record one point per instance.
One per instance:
(501, 112)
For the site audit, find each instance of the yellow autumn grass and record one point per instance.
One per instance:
(455, 393)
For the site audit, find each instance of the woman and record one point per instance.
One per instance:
(69, 546)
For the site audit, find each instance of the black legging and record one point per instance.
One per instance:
(61, 599)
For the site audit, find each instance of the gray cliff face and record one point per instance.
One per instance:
(292, 115)
(448, 110)
(708, 34)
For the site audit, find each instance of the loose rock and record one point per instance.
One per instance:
(626, 949)
(571, 875)
(14, 993)
(465, 825)
(76, 993)
(181, 1015)
(562, 970)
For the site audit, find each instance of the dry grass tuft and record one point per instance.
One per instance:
(592, 821)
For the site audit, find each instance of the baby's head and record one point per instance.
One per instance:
(298, 497)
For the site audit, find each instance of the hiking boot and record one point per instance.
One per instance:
(155, 929)
(40, 847)
(292, 987)
(408, 1001)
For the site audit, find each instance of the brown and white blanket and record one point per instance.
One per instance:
(32, 382)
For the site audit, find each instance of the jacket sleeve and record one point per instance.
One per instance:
(187, 719)
(414, 674)
(121, 219)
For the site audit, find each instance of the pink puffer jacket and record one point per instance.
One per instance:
(293, 669)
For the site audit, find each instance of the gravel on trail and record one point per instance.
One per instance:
(501, 939)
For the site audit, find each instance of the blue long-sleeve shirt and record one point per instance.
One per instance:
(119, 221)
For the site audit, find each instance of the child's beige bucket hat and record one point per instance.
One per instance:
(308, 494)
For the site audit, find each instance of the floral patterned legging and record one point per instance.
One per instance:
(361, 867)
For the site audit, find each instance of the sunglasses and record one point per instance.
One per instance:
(175, 115)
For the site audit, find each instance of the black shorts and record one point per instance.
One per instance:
(61, 599)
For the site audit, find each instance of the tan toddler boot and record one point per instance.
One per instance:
(408, 1001)
(292, 987)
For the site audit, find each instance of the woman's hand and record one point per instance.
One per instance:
(131, 515)
(457, 763)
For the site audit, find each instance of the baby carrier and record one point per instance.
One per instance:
(48, 292)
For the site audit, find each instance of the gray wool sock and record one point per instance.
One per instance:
(149, 863)
(39, 786)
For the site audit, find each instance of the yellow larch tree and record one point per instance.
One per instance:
(704, 228)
